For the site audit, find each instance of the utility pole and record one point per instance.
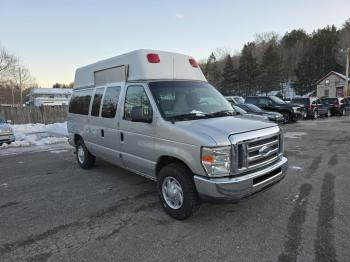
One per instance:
(20, 84)
(346, 86)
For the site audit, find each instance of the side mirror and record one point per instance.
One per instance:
(9, 121)
(141, 114)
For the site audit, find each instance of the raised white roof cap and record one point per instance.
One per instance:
(135, 66)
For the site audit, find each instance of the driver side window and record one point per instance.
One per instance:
(136, 97)
(264, 102)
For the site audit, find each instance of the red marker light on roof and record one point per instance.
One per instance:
(193, 62)
(153, 58)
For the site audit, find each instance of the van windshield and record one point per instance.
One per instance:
(188, 100)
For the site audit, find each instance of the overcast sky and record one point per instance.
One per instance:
(53, 38)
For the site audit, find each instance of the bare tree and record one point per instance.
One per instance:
(22, 79)
(7, 61)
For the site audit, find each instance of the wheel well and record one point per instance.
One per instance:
(166, 160)
(77, 138)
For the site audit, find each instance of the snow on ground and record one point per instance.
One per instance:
(294, 134)
(27, 135)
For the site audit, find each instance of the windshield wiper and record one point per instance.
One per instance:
(189, 116)
(223, 113)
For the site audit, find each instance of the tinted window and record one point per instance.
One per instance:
(262, 101)
(80, 102)
(96, 104)
(304, 101)
(135, 97)
(110, 102)
(251, 100)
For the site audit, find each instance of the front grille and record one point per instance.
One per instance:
(258, 152)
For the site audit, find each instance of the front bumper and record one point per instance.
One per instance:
(232, 189)
(5, 138)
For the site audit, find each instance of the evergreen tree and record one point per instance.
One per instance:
(228, 76)
(213, 73)
(270, 76)
(319, 59)
(248, 71)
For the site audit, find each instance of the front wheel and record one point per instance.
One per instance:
(177, 192)
(287, 117)
(84, 158)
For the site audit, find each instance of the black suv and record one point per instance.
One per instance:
(313, 107)
(291, 112)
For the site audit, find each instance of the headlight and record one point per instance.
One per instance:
(295, 109)
(216, 160)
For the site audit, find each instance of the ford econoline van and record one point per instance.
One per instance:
(154, 113)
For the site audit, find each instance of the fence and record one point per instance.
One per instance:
(25, 115)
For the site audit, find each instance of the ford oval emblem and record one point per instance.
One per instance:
(265, 150)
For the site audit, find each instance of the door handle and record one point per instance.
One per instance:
(102, 133)
(122, 136)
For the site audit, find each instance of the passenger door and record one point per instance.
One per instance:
(137, 136)
(322, 108)
(107, 128)
(93, 136)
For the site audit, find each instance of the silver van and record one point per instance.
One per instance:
(154, 113)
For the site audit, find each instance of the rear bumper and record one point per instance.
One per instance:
(235, 188)
(7, 138)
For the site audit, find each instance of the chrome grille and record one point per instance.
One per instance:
(258, 152)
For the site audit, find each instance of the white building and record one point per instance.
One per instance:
(49, 96)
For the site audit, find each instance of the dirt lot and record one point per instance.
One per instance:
(50, 210)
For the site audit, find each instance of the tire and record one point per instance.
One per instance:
(343, 112)
(315, 115)
(84, 158)
(287, 117)
(305, 115)
(176, 191)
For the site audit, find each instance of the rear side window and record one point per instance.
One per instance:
(110, 102)
(251, 100)
(303, 101)
(80, 102)
(96, 104)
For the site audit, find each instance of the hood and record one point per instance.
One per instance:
(220, 128)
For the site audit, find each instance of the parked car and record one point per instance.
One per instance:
(313, 107)
(6, 132)
(291, 112)
(253, 109)
(137, 112)
(235, 99)
(241, 112)
(337, 105)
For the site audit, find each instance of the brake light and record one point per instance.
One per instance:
(153, 58)
(193, 62)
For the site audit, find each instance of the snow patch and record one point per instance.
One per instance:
(38, 135)
(294, 134)
(296, 168)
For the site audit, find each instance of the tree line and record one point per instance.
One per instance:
(270, 61)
